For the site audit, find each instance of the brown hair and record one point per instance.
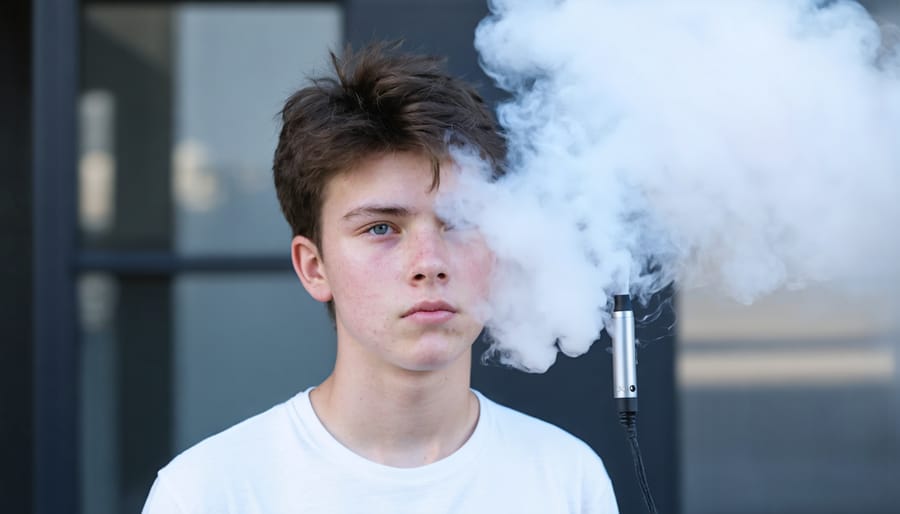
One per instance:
(380, 100)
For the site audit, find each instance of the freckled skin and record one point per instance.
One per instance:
(383, 251)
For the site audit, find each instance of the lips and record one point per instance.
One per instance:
(430, 308)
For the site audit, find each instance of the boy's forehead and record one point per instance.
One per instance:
(387, 177)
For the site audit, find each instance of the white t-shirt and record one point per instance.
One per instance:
(285, 461)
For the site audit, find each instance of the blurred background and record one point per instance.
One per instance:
(148, 300)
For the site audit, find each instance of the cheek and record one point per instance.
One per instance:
(359, 277)
(477, 268)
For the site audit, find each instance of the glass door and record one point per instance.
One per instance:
(190, 316)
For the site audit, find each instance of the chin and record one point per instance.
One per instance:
(432, 354)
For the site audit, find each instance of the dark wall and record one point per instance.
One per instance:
(575, 394)
(438, 27)
(15, 257)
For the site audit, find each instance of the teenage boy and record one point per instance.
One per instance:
(396, 427)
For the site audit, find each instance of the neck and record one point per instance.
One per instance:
(398, 417)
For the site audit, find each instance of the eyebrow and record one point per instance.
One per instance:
(373, 211)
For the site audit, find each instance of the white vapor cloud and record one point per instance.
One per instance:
(741, 145)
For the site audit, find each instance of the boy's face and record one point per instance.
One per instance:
(408, 290)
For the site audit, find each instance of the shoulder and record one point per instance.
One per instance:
(241, 443)
(205, 475)
(531, 440)
(565, 467)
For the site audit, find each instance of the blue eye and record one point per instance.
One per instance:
(379, 229)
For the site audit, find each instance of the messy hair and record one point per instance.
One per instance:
(378, 100)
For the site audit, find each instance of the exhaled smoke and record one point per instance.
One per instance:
(742, 145)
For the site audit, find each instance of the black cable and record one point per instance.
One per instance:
(629, 423)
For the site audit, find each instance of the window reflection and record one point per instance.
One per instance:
(178, 123)
(179, 120)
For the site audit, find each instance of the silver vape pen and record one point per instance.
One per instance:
(624, 359)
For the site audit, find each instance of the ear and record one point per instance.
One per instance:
(310, 268)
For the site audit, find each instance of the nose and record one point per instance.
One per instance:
(428, 265)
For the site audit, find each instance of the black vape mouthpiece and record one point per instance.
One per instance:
(622, 302)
